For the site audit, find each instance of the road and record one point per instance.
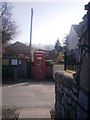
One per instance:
(29, 95)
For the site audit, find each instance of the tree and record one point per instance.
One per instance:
(65, 43)
(58, 47)
(8, 26)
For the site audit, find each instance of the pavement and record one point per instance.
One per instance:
(35, 113)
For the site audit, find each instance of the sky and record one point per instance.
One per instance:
(51, 20)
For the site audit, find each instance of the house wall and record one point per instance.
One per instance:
(56, 68)
(72, 39)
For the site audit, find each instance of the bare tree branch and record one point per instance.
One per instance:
(8, 25)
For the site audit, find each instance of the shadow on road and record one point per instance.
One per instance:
(27, 82)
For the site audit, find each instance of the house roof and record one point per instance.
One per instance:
(18, 46)
(78, 29)
(82, 27)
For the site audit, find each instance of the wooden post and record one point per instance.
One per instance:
(65, 60)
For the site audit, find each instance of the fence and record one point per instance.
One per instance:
(21, 69)
(14, 68)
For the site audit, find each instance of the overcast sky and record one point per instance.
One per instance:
(51, 20)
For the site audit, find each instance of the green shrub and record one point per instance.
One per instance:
(49, 63)
(61, 62)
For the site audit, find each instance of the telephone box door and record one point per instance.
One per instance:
(39, 65)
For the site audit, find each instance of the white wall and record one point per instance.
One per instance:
(72, 40)
(57, 67)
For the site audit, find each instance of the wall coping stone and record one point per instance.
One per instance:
(65, 78)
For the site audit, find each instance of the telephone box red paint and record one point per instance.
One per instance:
(39, 65)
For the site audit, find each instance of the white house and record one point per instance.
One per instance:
(73, 37)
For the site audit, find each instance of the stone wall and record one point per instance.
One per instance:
(71, 101)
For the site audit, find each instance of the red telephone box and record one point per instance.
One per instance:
(39, 65)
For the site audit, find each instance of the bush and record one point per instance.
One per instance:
(49, 63)
(61, 62)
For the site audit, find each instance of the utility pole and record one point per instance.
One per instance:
(30, 54)
(30, 34)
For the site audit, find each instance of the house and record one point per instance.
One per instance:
(76, 31)
(16, 55)
(18, 49)
(73, 37)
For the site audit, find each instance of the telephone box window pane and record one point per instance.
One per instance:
(39, 64)
(14, 62)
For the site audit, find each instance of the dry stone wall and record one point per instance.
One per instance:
(71, 101)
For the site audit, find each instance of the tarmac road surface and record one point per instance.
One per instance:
(29, 95)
